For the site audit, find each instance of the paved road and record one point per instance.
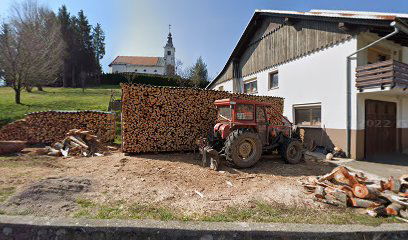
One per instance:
(383, 166)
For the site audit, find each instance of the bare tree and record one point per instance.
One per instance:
(31, 47)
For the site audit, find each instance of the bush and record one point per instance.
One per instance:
(154, 80)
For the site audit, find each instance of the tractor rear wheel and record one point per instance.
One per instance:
(291, 151)
(243, 148)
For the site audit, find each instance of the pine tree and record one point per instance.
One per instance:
(98, 42)
(66, 30)
(85, 47)
(198, 74)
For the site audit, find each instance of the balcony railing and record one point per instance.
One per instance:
(382, 74)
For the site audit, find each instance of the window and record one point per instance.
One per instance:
(221, 88)
(155, 70)
(135, 70)
(244, 112)
(273, 80)
(169, 53)
(308, 115)
(144, 70)
(250, 86)
(224, 113)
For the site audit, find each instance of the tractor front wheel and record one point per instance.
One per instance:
(243, 148)
(291, 151)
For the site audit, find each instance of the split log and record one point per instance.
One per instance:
(319, 192)
(393, 209)
(340, 175)
(79, 142)
(362, 203)
(362, 191)
(348, 190)
(392, 184)
(393, 197)
(404, 213)
(337, 196)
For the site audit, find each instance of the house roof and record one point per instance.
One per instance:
(380, 20)
(136, 60)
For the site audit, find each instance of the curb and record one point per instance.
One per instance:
(27, 227)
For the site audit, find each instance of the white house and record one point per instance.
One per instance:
(147, 65)
(338, 86)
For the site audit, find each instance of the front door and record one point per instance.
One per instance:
(262, 124)
(380, 128)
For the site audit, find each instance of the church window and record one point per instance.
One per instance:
(169, 53)
(144, 70)
(135, 70)
(155, 70)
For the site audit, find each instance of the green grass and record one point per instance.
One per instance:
(263, 212)
(84, 203)
(5, 193)
(259, 212)
(53, 99)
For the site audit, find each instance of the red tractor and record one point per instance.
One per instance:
(244, 132)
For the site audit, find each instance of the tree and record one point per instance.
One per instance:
(198, 74)
(31, 47)
(66, 31)
(98, 42)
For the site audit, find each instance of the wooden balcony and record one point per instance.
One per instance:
(387, 73)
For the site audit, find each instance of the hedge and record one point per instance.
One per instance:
(147, 79)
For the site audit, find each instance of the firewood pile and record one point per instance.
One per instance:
(50, 126)
(77, 142)
(343, 187)
(156, 119)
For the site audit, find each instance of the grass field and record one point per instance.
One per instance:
(53, 99)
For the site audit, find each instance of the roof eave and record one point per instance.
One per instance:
(381, 21)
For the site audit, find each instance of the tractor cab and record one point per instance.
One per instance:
(244, 130)
(238, 113)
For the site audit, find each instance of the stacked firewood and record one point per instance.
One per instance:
(50, 126)
(77, 142)
(171, 119)
(343, 187)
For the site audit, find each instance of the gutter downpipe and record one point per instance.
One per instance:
(397, 27)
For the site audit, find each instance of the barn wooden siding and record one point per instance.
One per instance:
(275, 42)
(228, 75)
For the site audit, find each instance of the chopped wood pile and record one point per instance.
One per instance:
(158, 119)
(76, 143)
(343, 187)
(50, 126)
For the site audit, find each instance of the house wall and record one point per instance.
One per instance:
(226, 85)
(319, 77)
(160, 70)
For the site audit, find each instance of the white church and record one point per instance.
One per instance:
(147, 65)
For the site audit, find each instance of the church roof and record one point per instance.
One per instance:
(137, 60)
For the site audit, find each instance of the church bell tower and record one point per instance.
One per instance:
(170, 55)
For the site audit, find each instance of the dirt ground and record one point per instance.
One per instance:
(51, 186)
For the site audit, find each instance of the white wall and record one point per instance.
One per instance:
(227, 86)
(140, 69)
(319, 77)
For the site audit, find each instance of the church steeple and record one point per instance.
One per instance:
(169, 54)
(169, 40)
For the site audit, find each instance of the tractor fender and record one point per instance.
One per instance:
(223, 129)
(217, 127)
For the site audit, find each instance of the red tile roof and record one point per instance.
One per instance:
(136, 60)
